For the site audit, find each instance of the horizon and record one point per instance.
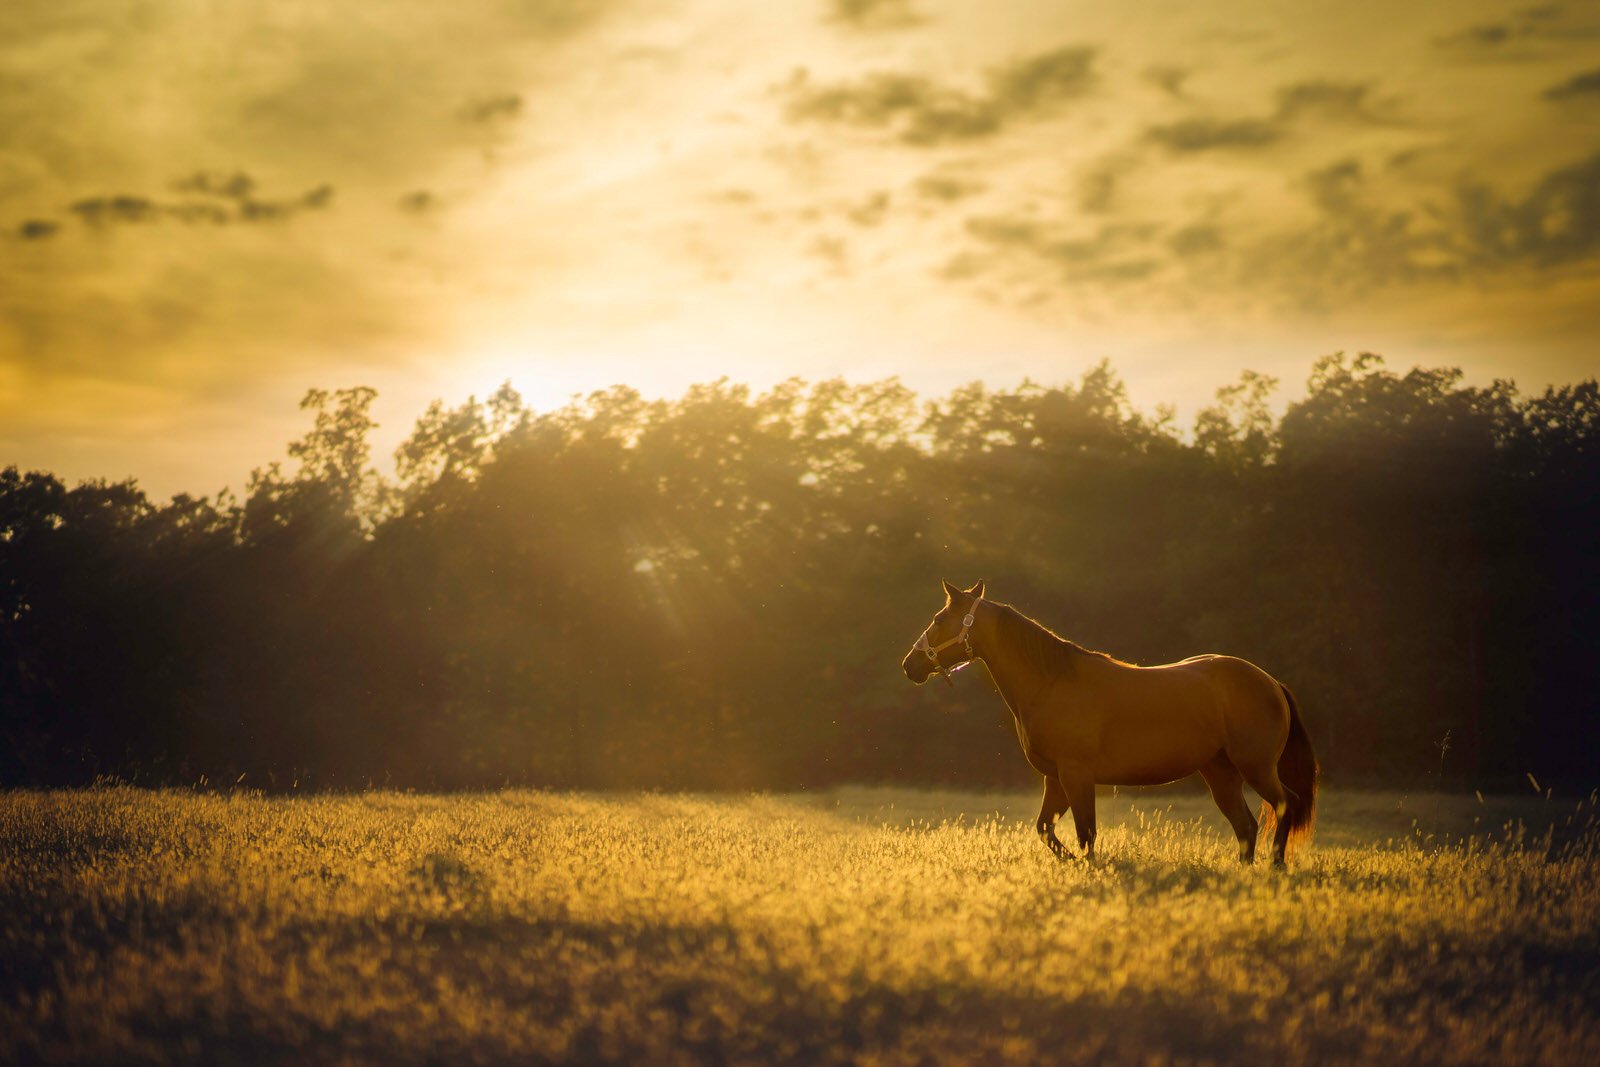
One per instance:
(387, 435)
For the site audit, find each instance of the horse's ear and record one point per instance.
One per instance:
(949, 589)
(977, 590)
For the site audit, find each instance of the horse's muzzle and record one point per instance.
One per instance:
(917, 666)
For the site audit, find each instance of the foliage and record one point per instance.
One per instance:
(716, 591)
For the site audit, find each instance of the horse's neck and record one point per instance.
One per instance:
(1020, 682)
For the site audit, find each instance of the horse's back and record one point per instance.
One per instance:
(1164, 721)
(1251, 702)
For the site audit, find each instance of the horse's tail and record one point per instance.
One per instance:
(1298, 771)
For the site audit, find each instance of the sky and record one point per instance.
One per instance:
(208, 207)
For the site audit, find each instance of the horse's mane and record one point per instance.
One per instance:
(1042, 646)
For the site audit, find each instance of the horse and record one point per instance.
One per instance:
(1084, 718)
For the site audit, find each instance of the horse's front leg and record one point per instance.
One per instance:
(1078, 784)
(1050, 808)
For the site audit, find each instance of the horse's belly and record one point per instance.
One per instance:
(1152, 757)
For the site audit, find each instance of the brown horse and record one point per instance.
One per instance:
(1084, 717)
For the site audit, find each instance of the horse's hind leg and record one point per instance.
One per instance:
(1053, 804)
(1227, 789)
(1265, 781)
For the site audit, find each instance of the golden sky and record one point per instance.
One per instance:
(208, 206)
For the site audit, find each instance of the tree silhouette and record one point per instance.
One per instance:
(715, 591)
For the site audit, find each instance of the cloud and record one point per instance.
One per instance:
(37, 229)
(1113, 253)
(1032, 84)
(1195, 241)
(1585, 84)
(1483, 35)
(1168, 79)
(104, 210)
(418, 202)
(1202, 134)
(188, 313)
(119, 283)
(1097, 186)
(1525, 35)
(870, 211)
(874, 14)
(219, 201)
(947, 187)
(362, 90)
(1327, 101)
(1557, 223)
(235, 186)
(924, 112)
(492, 108)
(1361, 236)
(834, 251)
(1360, 241)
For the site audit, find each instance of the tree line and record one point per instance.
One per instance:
(715, 591)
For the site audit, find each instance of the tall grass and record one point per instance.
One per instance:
(861, 926)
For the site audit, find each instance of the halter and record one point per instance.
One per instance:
(963, 639)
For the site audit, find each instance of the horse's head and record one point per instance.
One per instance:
(945, 645)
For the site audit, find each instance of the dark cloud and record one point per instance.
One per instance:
(1485, 35)
(1042, 80)
(199, 212)
(924, 112)
(1200, 135)
(1097, 186)
(125, 209)
(104, 210)
(418, 202)
(1524, 35)
(871, 211)
(252, 210)
(1298, 102)
(1558, 222)
(1335, 187)
(1585, 84)
(1169, 79)
(1357, 243)
(874, 14)
(1325, 99)
(1112, 254)
(1362, 237)
(1360, 242)
(37, 229)
(492, 108)
(1192, 241)
(947, 187)
(235, 186)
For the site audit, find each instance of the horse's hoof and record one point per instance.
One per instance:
(1059, 851)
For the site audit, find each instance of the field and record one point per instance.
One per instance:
(861, 925)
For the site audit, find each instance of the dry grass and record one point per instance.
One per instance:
(868, 926)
